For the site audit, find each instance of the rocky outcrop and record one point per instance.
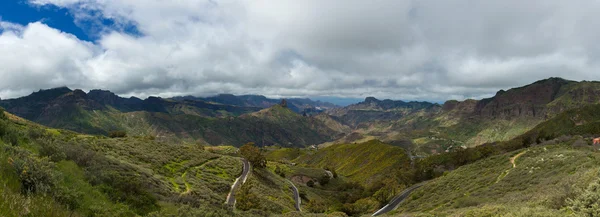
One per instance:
(527, 101)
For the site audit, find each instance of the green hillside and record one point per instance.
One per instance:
(101, 112)
(361, 162)
(539, 183)
(48, 172)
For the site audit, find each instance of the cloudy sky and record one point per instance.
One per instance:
(412, 50)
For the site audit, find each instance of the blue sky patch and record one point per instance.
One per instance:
(21, 12)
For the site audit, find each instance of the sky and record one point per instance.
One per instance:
(426, 50)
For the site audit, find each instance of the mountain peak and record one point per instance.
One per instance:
(79, 93)
(371, 99)
(552, 80)
(99, 92)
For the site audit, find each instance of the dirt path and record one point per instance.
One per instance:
(514, 165)
(513, 159)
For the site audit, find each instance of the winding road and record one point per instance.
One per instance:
(296, 196)
(231, 196)
(396, 200)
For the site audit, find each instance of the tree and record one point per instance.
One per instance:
(253, 154)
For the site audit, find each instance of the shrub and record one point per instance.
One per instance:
(359, 207)
(279, 171)
(50, 149)
(35, 175)
(117, 134)
(586, 204)
(11, 137)
(35, 133)
(247, 200)
(69, 197)
(2, 115)
(310, 183)
(316, 206)
(324, 179)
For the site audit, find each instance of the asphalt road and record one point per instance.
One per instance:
(238, 182)
(296, 196)
(398, 199)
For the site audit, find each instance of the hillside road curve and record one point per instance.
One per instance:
(238, 182)
(398, 199)
(296, 196)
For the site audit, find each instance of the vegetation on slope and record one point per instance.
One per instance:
(361, 162)
(539, 183)
(48, 172)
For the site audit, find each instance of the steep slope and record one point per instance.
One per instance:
(527, 101)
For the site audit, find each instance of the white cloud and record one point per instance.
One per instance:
(37, 56)
(424, 49)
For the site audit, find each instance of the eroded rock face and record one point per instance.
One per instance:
(527, 101)
(462, 107)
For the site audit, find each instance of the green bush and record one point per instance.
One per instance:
(316, 206)
(279, 171)
(8, 133)
(587, 203)
(36, 175)
(247, 200)
(324, 179)
(36, 133)
(68, 197)
(49, 148)
(2, 115)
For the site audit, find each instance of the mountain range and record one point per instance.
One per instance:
(422, 127)
(526, 151)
